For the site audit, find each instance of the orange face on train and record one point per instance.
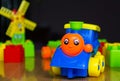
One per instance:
(73, 44)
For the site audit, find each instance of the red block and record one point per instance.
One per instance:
(101, 46)
(14, 53)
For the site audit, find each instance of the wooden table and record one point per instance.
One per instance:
(37, 69)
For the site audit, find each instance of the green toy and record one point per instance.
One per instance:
(75, 25)
(29, 48)
(113, 55)
(18, 38)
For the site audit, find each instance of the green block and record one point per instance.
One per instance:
(0, 43)
(29, 49)
(102, 40)
(76, 25)
(30, 63)
(18, 38)
(113, 56)
(53, 44)
(8, 42)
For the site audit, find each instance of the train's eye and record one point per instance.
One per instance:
(76, 42)
(66, 41)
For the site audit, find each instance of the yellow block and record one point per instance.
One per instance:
(2, 47)
(66, 26)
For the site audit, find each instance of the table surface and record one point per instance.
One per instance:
(37, 69)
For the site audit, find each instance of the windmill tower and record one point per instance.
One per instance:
(16, 29)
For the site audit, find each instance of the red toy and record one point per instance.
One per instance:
(101, 47)
(14, 53)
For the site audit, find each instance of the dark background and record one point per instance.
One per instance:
(51, 15)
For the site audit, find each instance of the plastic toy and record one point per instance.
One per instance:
(102, 46)
(2, 47)
(18, 38)
(113, 54)
(16, 29)
(73, 44)
(89, 32)
(13, 53)
(29, 49)
(78, 54)
(18, 21)
(48, 51)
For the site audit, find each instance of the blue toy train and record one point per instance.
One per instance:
(78, 54)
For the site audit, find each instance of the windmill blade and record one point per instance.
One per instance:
(29, 24)
(11, 29)
(6, 12)
(23, 7)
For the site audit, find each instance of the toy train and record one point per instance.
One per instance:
(78, 54)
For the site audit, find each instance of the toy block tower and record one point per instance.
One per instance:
(16, 29)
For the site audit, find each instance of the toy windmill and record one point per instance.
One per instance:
(18, 21)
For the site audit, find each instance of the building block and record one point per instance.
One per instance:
(48, 51)
(102, 47)
(2, 47)
(8, 42)
(13, 53)
(54, 44)
(29, 49)
(113, 55)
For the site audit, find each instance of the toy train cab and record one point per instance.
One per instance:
(78, 54)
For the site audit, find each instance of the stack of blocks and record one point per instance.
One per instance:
(28, 44)
(16, 49)
(113, 55)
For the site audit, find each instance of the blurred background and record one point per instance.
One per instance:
(51, 15)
